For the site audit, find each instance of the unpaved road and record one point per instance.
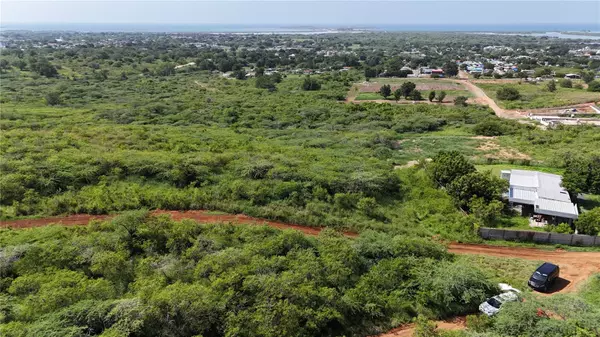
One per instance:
(407, 330)
(575, 267)
(482, 98)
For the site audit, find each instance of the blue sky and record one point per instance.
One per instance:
(303, 12)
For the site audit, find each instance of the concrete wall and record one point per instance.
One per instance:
(539, 237)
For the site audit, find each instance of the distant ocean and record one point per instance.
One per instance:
(287, 29)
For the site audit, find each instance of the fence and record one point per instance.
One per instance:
(539, 237)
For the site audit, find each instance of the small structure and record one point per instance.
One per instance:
(540, 196)
(439, 72)
(572, 76)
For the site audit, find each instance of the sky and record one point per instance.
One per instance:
(282, 12)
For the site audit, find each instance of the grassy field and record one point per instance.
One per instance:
(537, 96)
(496, 168)
(515, 272)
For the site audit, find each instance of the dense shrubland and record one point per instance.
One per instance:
(106, 130)
(148, 276)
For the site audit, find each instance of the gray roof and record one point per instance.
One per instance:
(544, 191)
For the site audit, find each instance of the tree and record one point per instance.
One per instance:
(4, 64)
(20, 64)
(385, 90)
(582, 175)
(508, 94)
(460, 101)
(450, 69)
(431, 96)
(265, 82)
(397, 94)
(53, 98)
(239, 74)
(259, 71)
(311, 84)
(565, 83)
(587, 76)
(370, 72)
(485, 212)
(551, 86)
(589, 222)
(407, 88)
(166, 69)
(43, 67)
(594, 86)
(476, 185)
(415, 95)
(441, 96)
(445, 167)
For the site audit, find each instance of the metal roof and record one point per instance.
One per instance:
(543, 190)
(523, 194)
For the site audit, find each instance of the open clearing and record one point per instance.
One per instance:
(492, 149)
(422, 85)
(537, 96)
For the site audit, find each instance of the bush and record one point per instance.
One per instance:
(594, 86)
(454, 289)
(489, 127)
(565, 83)
(460, 101)
(479, 323)
(448, 166)
(563, 228)
(310, 84)
(53, 98)
(589, 222)
(508, 94)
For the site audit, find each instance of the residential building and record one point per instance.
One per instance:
(539, 193)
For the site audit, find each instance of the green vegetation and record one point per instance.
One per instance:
(557, 315)
(526, 95)
(141, 275)
(230, 123)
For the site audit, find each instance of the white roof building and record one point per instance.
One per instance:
(542, 190)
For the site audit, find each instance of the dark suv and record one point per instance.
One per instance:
(543, 278)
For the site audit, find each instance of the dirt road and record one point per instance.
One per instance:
(482, 98)
(200, 216)
(407, 330)
(575, 267)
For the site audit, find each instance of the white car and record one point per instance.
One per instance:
(492, 305)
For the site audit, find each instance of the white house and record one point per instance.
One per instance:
(540, 193)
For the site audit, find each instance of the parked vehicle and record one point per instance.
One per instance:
(492, 305)
(543, 278)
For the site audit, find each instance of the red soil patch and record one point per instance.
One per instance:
(407, 330)
(199, 216)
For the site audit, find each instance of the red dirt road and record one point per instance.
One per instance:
(200, 216)
(407, 330)
(575, 267)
